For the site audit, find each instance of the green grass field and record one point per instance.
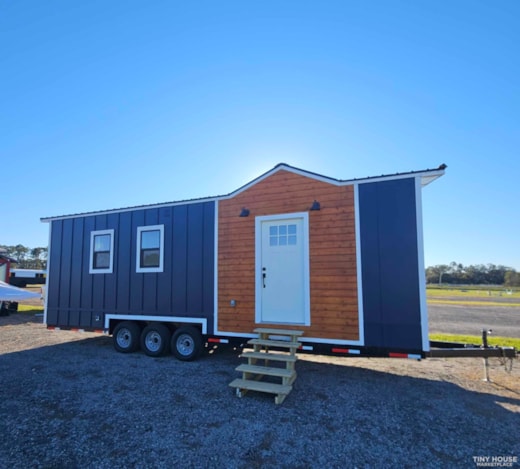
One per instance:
(475, 339)
(471, 292)
(473, 296)
(441, 301)
(450, 286)
(30, 309)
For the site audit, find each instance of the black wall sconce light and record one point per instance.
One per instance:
(244, 212)
(315, 205)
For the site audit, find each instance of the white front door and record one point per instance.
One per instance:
(282, 269)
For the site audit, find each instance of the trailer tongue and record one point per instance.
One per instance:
(460, 350)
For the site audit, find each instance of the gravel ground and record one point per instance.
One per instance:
(69, 400)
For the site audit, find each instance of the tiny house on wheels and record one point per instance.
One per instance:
(340, 260)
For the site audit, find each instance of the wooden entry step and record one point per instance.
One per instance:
(275, 357)
(266, 370)
(275, 343)
(258, 363)
(244, 385)
(282, 332)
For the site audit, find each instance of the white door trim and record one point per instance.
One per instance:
(304, 216)
(359, 269)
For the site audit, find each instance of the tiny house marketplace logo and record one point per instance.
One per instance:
(495, 461)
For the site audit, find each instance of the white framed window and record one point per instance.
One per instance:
(101, 252)
(150, 248)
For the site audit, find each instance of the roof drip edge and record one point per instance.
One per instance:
(427, 176)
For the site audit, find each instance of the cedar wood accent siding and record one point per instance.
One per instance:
(332, 250)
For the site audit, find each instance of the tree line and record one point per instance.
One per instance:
(27, 258)
(480, 274)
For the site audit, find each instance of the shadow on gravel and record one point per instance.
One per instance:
(80, 404)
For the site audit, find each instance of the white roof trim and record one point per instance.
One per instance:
(129, 209)
(427, 176)
(277, 168)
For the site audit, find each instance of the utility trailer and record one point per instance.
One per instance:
(340, 260)
(23, 277)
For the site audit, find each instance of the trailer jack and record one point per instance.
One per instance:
(486, 360)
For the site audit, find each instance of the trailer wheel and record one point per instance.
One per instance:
(126, 336)
(155, 339)
(186, 343)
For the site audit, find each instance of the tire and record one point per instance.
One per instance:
(126, 337)
(186, 343)
(155, 340)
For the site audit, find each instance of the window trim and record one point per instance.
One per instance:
(138, 267)
(110, 268)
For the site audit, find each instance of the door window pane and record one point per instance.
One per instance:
(282, 235)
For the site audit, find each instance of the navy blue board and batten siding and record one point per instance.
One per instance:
(79, 299)
(390, 276)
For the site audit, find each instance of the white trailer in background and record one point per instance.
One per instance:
(23, 277)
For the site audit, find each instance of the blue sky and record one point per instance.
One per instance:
(107, 104)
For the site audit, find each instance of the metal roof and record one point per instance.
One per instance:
(427, 176)
(5, 257)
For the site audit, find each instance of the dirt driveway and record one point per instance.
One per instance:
(468, 320)
(69, 400)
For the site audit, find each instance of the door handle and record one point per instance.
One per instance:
(264, 275)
